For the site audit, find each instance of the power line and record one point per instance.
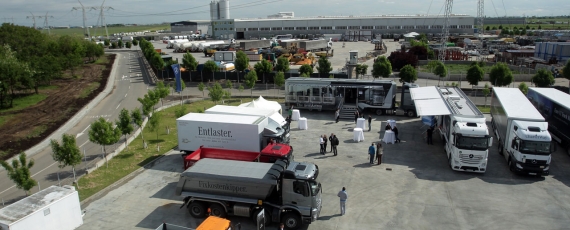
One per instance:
(33, 18)
(46, 23)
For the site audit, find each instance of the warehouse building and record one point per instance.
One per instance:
(191, 27)
(365, 26)
(505, 21)
(555, 50)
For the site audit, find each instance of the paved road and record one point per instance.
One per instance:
(130, 83)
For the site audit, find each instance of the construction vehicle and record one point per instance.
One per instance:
(305, 58)
(325, 53)
(208, 52)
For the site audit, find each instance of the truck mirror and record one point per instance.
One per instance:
(490, 142)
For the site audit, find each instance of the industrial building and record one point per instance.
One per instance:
(364, 26)
(219, 10)
(504, 21)
(191, 27)
(548, 50)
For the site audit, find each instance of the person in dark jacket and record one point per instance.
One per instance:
(369, 123)
(331, 140)
(356, 115)
(325, 144)
(395, 130)
(429, 135)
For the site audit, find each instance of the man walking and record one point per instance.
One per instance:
(334, 144)
(322, 145)
(343, 196)
(371, 151)
(337, 115)
(369, 123)
(429, 135)
(395, 130)
(355, 116)
(331, 141)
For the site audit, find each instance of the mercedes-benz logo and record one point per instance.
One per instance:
(470, 155)
(534, 161)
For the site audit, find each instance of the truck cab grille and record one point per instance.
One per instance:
(470, 158)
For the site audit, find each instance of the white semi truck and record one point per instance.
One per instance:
(288, 192)
(522, 132)
(461, 126)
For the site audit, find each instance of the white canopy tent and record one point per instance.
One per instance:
(262, 103)
(428, 101)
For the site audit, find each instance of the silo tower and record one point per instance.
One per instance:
(224, 9)
(214, 10)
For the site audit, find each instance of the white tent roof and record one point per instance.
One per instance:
(431, 107)
(422, 93)
(262, 103)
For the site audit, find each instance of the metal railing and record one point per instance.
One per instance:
(148, 68)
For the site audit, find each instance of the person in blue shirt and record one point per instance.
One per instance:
(371, 151)
(343, 197)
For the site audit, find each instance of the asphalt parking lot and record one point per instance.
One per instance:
(413, 189)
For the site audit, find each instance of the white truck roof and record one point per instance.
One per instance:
(249, 111)
(33, 203)
(516, 105)
(218, 118)
(555, 95)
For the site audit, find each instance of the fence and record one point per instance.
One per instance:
(201, 76)
(148, 68)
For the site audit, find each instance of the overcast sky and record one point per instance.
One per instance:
(157, 11)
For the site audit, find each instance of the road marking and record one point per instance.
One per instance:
(83, 144)
(126, 94)
(86, 128)
(129, 87)
(78, 135)
(118, 106)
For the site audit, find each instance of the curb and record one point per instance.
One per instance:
(75, 119)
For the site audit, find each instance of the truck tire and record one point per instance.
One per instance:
(291, 221)
(511, 165)
(410, 113)
(197, 209)
(379, 112)
(217, 210)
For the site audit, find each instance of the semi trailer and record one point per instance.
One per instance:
(287, 192)
(522, 132)
(554, 105)
(271, 153)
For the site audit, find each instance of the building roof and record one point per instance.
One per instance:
(419, 16)
(33, 203)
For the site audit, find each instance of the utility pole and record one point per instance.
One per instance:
(102, 15)
(34, 18)
(480, 18)
(86, 31)
(445, 30)
(46, 23)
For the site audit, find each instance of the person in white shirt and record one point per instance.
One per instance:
(322, 145)
(343, 197)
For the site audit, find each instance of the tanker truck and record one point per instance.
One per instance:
(289, 193)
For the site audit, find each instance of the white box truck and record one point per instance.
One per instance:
(554, 105)
(54, 208)
(220, 131)
(288, 192)
(523, 135)
(276, 127)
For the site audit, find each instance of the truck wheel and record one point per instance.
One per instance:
(197, 209)
(410, 113)
(379, 112)
(511, 165)
(217, 210)
(291, 221)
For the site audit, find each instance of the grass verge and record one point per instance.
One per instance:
(103, 60)
(136, 156)
(112, 30)
(484, 109)
(25, 101)
(92, 86)
(4, 119)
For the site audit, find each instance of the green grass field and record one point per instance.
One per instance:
(25, 101)
(484, 109)
(136, 156)
(112, 30)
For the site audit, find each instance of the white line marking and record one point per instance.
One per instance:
(83, 144)
(86, 128)
(118, 106)
(44, 168)
(129, 87)
(126, 94)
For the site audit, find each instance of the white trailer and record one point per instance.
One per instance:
(54, 208)
(220, 131)
(461, 125)
(201, 46)
(522, 132)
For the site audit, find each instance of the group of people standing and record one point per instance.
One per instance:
(395, 130)
(376, 153)
(334, 143)
(358, 115)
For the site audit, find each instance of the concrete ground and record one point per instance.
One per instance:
(413, 189)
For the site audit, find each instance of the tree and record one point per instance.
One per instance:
(527, 27)
(180, 111)
(161, 91)
(474, 75)
(566, 71)
(201, 87)
(306, 69)
(137, 119)
(250, 80)
(399, 59)
(262, 67)
(523, 32)
(12, 73)
(125, 124)
(128, 45)
(19, 173)
(189, 62)
(216, 92)
(282, 65)
(324, 67)
(107, 42)
(114, 45)
(440, 71)
(153, 123)
(500, 75)
(381, 68)
(408, 74)
(481, 64)
(135, 42)
(539, 27)
(543, 78)
(486, 92)
(210, 66)
(120, 43)
(242, 62)
(67, 154)
(494, 28)
(157, 62)
(523, 87)
(487, 28)
(148, 102)
(361, 69)
(103, 133)
(279, 80)
(500, 27)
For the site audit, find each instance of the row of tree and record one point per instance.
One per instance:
(30, 59)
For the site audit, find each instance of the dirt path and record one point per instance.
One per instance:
(29, 126)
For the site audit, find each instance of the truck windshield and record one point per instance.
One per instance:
(315, 187)
(472, 143)
(535, 147)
